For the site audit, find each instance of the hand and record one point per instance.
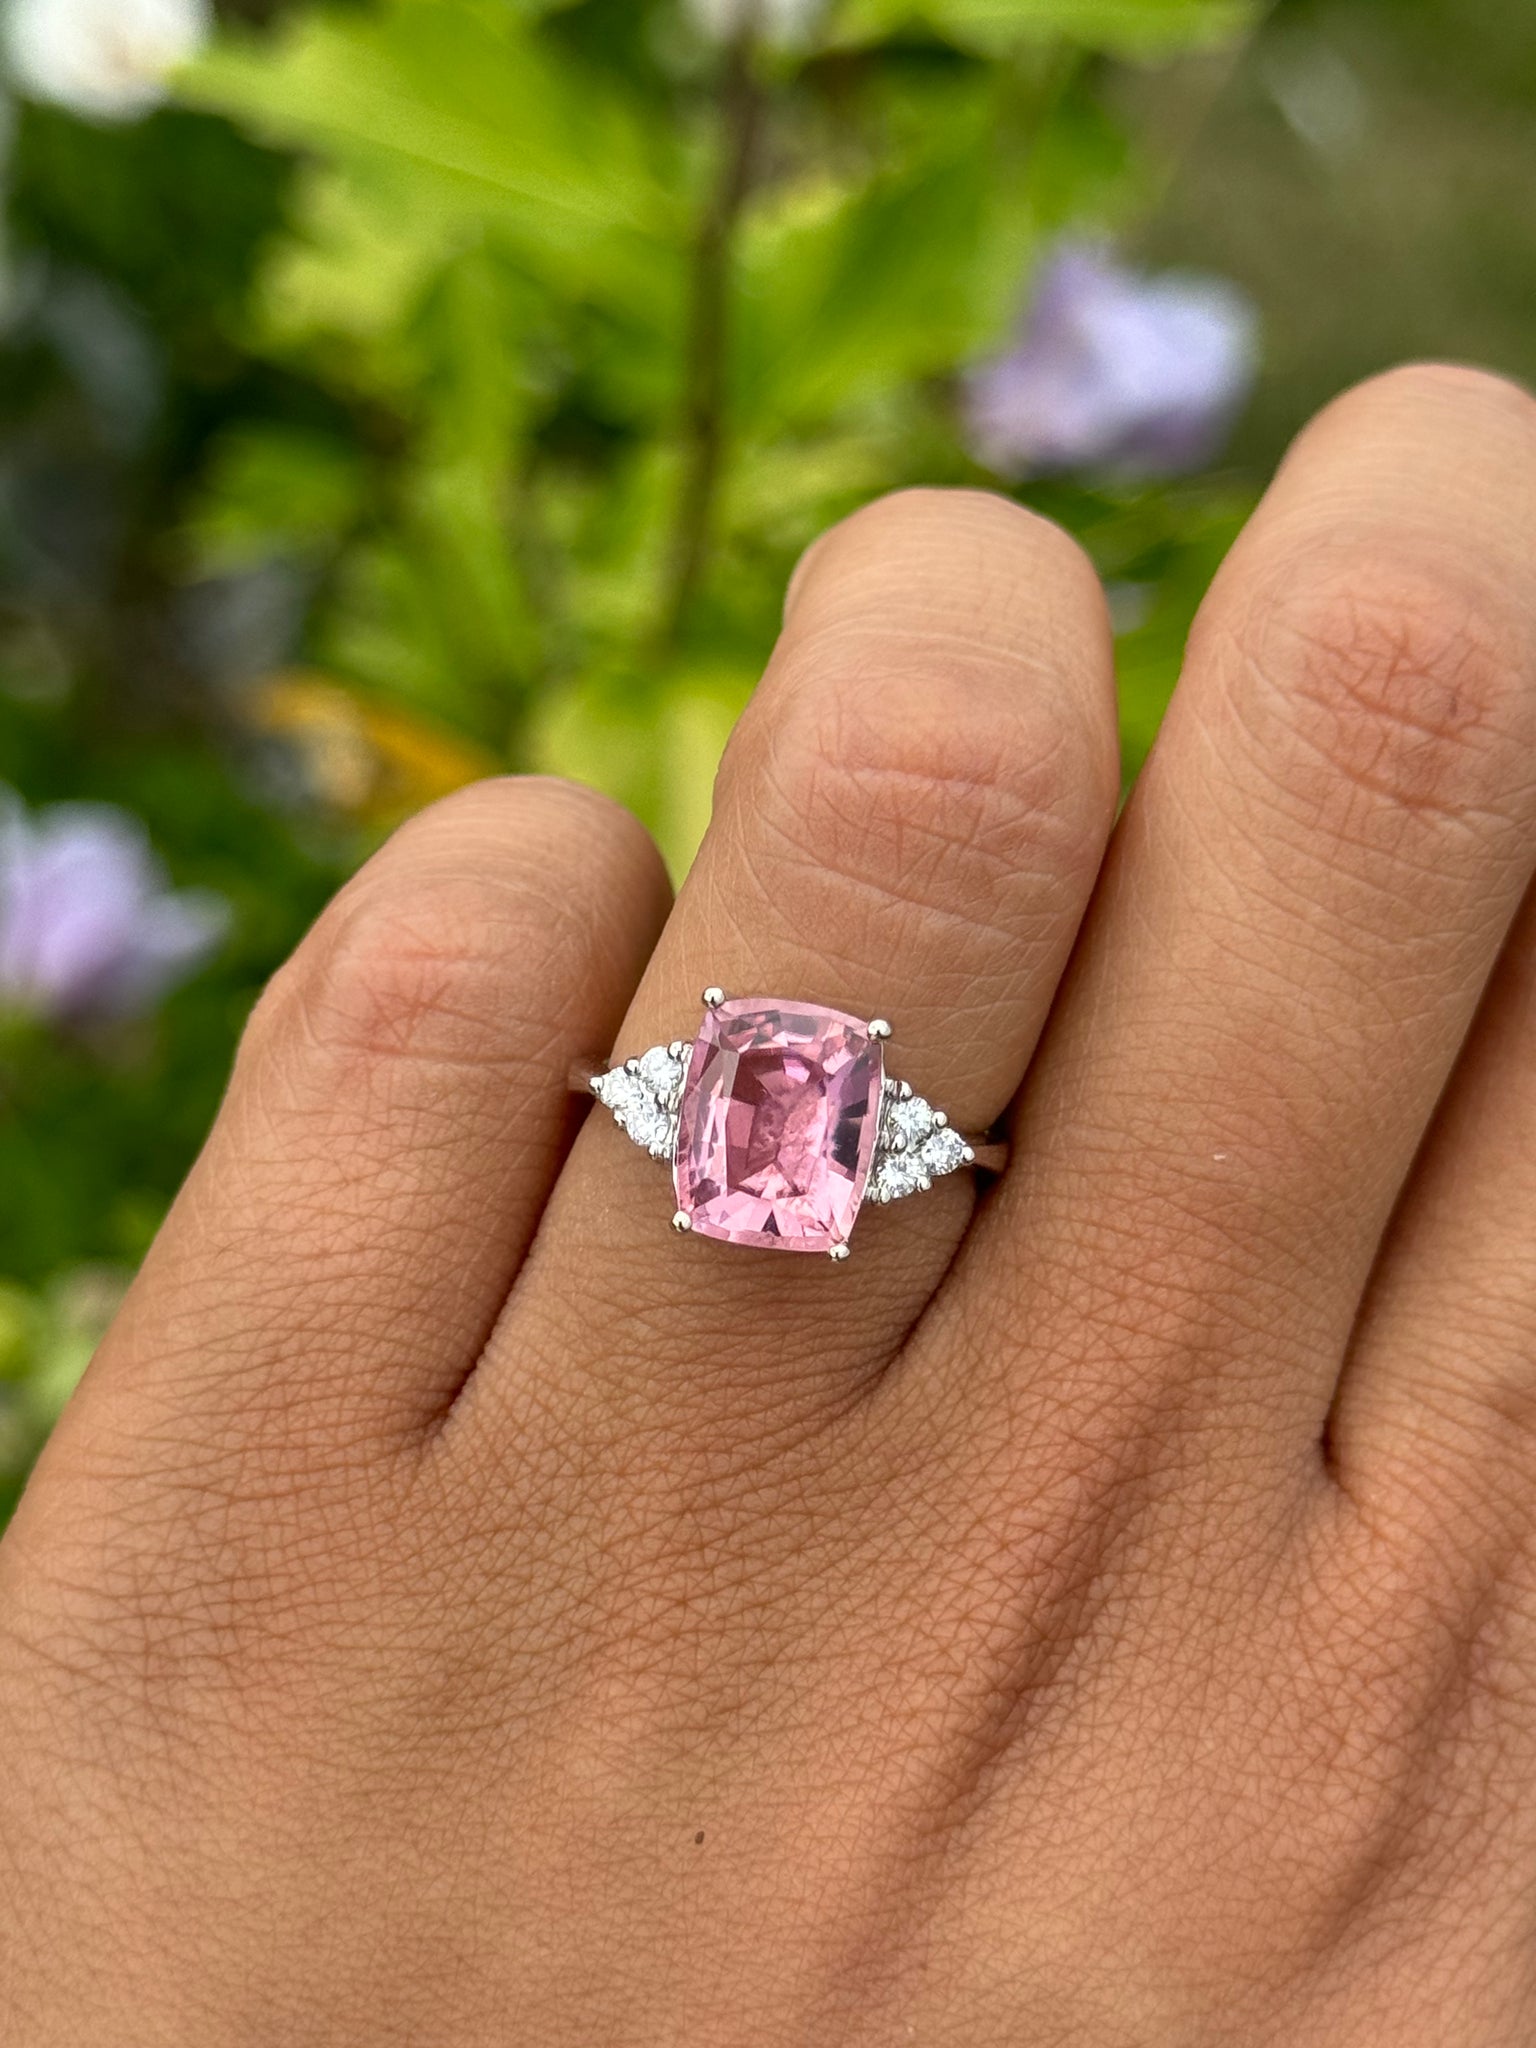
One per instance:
(458, 1611)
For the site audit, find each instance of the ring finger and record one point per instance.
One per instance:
(907, 825)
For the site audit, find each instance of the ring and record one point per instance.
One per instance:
(780, 1122)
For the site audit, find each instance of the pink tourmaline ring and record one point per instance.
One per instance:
(780, 1122)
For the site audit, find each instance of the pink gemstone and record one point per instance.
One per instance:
(778, 1123)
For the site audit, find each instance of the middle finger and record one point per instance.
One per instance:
(1306, 896)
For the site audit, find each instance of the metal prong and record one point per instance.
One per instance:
(904, 1090)
(839, 1252)
(878, 1028)
(713, 998)
(677, 1048)
(682, 1221)
(939, 1119)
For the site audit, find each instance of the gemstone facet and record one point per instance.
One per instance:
(780, 1111)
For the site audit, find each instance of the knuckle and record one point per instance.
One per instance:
(414, 971)
(954, 810)
(936, 730)
(430, 969)
(463, 939)
(1402, 677)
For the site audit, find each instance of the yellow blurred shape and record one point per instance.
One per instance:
(378, 763)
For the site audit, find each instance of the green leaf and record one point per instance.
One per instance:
(657, 754)
(1125, 28)
(172, 208)
(781, 493)
(471, 101)
(20, 1324)
(365, 248)
(846, 295)
(273, 489)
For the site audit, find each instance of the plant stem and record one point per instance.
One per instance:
(740, 111)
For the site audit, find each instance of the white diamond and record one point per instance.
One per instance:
(662, 1073)
(910, 1121)
(648, 1123)
(636, 1110)
(895, 1175)
(614, 1088)
(943, 1151)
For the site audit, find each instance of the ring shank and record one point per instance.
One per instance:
(991, 1153)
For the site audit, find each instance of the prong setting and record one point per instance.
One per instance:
(879, 1028)
(682, 1222)
(713, 997)
(839, 1252)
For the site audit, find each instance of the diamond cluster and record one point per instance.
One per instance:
(915, 1148)
(644, 1095)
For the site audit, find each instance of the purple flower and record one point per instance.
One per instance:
(88, 929)
(1114, 370)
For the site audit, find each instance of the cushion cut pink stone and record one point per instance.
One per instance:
(778, 1122)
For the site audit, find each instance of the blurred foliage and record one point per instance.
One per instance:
(616, 319)
(1363, 173)
(446, 385)
(47, 1337)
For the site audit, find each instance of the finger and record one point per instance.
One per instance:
(907, 824)
(397, 1113)
(1437, 1408)
(1307, 894)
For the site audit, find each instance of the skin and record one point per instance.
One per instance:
(455, 1610)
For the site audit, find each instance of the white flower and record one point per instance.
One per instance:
(779, 21)
(106, 59)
